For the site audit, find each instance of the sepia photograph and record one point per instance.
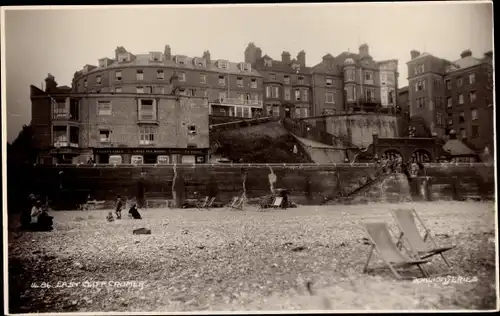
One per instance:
(249, 158)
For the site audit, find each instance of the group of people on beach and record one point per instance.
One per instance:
(133, 212)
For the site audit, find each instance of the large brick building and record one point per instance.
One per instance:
(454, 95)
(349, 81)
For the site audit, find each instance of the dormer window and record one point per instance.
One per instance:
(222, 64)
(155, 56)
(123, 57)
(103, 63)
(268, 63)
(200, 62)
(86, 69)
(245, 67)
(180, 60)
(98, 80)
(295, 66)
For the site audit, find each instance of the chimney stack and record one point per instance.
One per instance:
(167, 52)
(50, 83)
(414, 54)
(364, 50)
(258, 53)
(206, 56)
(285, 57)
(301, 58)
(466, 53)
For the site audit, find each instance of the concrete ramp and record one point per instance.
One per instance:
(321, 153)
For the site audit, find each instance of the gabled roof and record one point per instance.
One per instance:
(467, 62)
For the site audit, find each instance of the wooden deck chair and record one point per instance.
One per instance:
(202, 203)
(266, 202)
(409, 232)
(238, 205)
(381, 240)
(277, 202)
(233, 202)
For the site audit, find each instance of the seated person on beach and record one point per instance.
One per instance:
(134, 212)
(110, 217)
(40, 219)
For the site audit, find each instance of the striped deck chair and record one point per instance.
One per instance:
(202, 203)
(418, 245)
(207, 203)
(266, 202)
(237, 202)
(381, 240)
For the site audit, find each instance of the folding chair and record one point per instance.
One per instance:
(233, 202)
(277, 202)
(202, 203)
(381, 240)
(410, 233)
(207, 203)
(267, 202)
(237, 202)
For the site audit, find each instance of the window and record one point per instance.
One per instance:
(118, 75)
(350, 74)
(98, 79)
(160, 74)
(103, 108)
(439, 119)
(268, 91)
(239, 82)
(306, 112)
(192, 130)
(475, 131)
(297, 95)
(160, 90)
(351, 93)
(268, 63)
(203, 78)
(369, 94)
(287, 79)
(155, 56)
(140, 89)
(118, 89)
(297, 112)
(104, 136)
(164, 160)
(199, 62)
(137, 159)
(276, 92)
(287, 94)
(306, 95)
(448, 84)
(180, 60)
(148, 89)
(222, 81)
(474, 115)
(421, 68)
(460, 81)
(460, 98)
(463, 133)
(147, 109)
(85, 83)
(448, 102)
(461, 117)
(472, 96)
(301, 80)
(182, 76)
(329, 82)
(147, 135)
(60, 136)
(329, 97)
(253, 83)
(272, 77)
(420, 85)
(390, 77)
(368, 76)
(139, 75)
(472, 78)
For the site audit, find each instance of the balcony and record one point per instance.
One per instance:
(236, 101)
(65, 144)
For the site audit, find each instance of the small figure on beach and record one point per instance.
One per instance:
(110, 217)
(134, 213)
(119, 205)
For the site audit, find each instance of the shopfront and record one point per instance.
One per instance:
(150, 155)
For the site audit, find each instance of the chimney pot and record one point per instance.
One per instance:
(466, 53)
(414, 54)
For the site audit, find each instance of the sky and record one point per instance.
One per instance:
(62, 41)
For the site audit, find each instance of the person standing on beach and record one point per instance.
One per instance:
(119, 205)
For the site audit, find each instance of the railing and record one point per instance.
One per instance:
(63, 115)
(237, 101)
(242, 123)
(308, 131)
(65, 144)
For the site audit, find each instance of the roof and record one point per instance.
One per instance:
(403, 89)
(467, 62)
(457, 148)
(144, 60)
(278, 65)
